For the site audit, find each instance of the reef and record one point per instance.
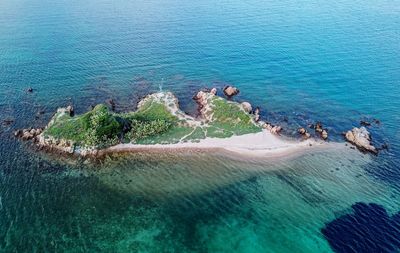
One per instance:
(368, 229)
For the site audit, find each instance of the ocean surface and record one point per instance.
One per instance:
(301, 61)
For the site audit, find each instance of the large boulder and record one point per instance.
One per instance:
(247, 107)
(230, 91)
(202, 99)
(361, 138)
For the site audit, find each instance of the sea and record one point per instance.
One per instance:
(300, 62)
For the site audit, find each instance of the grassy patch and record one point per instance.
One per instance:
(93, 128)
(228, 118)
(152, 110)
(197, 134)
(173, 135)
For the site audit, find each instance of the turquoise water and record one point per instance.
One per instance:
(300, 61)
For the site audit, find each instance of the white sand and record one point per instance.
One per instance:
(258, 144)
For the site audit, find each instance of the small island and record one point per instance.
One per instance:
(159, 123)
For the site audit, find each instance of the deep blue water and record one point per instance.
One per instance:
(300, 61)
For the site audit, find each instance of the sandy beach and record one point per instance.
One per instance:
(262, 144)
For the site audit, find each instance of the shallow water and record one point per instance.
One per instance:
(334, 61)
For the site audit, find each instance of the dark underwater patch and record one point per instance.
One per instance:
(368, 229)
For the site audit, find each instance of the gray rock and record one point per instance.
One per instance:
(361, 138)
(247, 107)
(230, 91)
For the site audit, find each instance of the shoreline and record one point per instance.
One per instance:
(258, 145)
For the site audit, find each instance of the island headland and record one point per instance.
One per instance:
(158, 123)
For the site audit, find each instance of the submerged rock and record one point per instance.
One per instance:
(231, 91)
(361, 138)
(365, 123)
(111, 102)
(8, 122)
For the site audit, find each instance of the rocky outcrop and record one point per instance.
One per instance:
(304, 133)
(231, 91)
(111, 102)
(66, 110)
(28, 134)
(246, 106)
(274, 129)
(202, 99)
(257, 114)
(50, 143)
(323, 133)
(361, 138)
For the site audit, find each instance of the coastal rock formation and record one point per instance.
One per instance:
(49, 142)
(231, 91)
(324, 134)
(111, 102)
(273, 129)
(318, 127)
(66, 110)
(28, 134)
(276, 129)
(303, 132)
(247, 106)
(202, 98)
(257, 114)
(361, 138)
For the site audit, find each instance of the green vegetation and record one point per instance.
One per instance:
(152, 110)
(99, 127)
(229, 119)
(144, 129)
(152, 123)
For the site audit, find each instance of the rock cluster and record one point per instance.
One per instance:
(274, 129)
(303, 132)
(361, 138)
(322, 132)
(231, 91)
(49, 142)
(28, 134)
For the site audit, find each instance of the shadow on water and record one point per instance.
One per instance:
(368, 229)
